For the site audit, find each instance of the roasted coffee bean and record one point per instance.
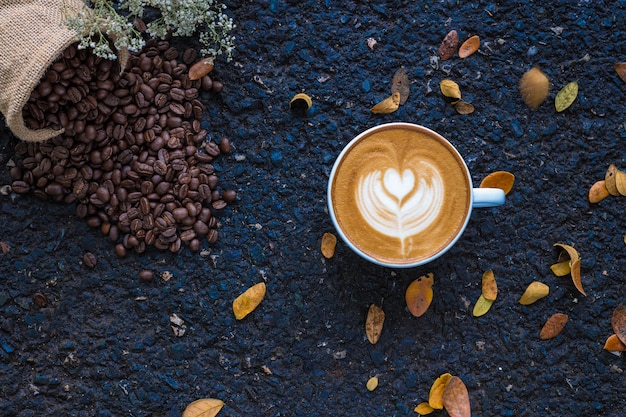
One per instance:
(225, 145)
(229, 196)
(90, 260)
(177, 94)
(20, 187)
(218, 204)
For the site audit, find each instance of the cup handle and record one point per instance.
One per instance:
(487, 197)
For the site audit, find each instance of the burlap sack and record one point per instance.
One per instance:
(31, 38)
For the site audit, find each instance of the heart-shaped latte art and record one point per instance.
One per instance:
(396, 185)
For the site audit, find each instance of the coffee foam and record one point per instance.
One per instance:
(400, 194)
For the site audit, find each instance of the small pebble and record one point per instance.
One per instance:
(146, 275)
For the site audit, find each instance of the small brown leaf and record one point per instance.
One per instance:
(618, 322)
(598, 192)
(576, 277)
(374, 323)
(620, 68)
(620, 182)
(206, 407)
(574, 263)
(200, 69)
(613, 344)
(610, 180)
(449, 45)
(329, 241)
(470, 46)
(456, 398)
(419, 294)
(463, 107)
(534, 87)
(554, 325)
(499, 179)
(450, 89)
(400, 84)
(5, 248)
(435, 396)
(489, 285)
(388, 105)
(250, 299)
(535, 291)
(571, 251)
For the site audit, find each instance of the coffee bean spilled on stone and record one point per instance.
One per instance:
(133, 155)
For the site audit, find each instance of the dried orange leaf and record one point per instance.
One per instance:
(374, 323)
(248, 300)
(489, 285)
(424, 408)
(200, 69)
(610, 180)
(329, 241)
(450, 89)
(534, 87)
(388, 105)
(620, 68)
(598, 192)
(206, 407)
(620, 182)
(561, 269)
(435, 396)
(499, 179)
(456, 398)
(419, 294)
(470, 46)
(482, 306)
(566, 96)
(573, 253)
(535, 291)
(613, 344)
(554, 325)
(400, 84)
(463, 107)
(372, 383)
(448, 45)
(618, 322)
(576, 277)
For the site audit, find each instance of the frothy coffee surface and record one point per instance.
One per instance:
(400, 194)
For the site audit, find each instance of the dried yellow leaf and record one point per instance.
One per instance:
(456, 398)
(388, 105)
(374, 323)
(329, 241)
(613, 344)
(566, 96)
(372, 383)
(620, 182)
(499, 179)
(450, 89)
(419, 294)
(535, 291)
(435, 396)
(610, 180)
(482, 306)
(470, 46)
(400, 84)
(554, 325)
(534, 87)
(620, 68)
(463, 107)
(206, 407)
(598, 192)
(561, 268)
(574, 264)
(248, 300)
(424, 409)
(489, 286)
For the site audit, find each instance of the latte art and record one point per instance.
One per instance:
(400, 206)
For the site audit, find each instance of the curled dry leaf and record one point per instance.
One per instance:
(449, 45)
(489, 286)
(554, 325)
(610, 180)
(499, 179)
(206, 407)
(620, 182)
(419, 294)
(300, 104)
(388, 105)
(248, 300)
(450, 89)
(566, 96)
(200, 69)
(372, 383)
(535, 291)
(400, 84)
(435, 396)
(574, 264)
(482, 306)
(463, 107)
(456, 398)
(561, 269)
(470, 46)
(613, 344)
(424, 408)
(329, 241)
(374, 323)
(620, 68)
(598, 192)
(618, 322)
(534, 87)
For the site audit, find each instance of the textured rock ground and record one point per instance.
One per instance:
(103, 346)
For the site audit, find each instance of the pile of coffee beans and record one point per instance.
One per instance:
(133, 155)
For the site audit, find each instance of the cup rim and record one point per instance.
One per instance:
(331, 210)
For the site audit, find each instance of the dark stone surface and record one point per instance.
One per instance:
(104, 347)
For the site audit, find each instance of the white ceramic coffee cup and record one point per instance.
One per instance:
(478, 197)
